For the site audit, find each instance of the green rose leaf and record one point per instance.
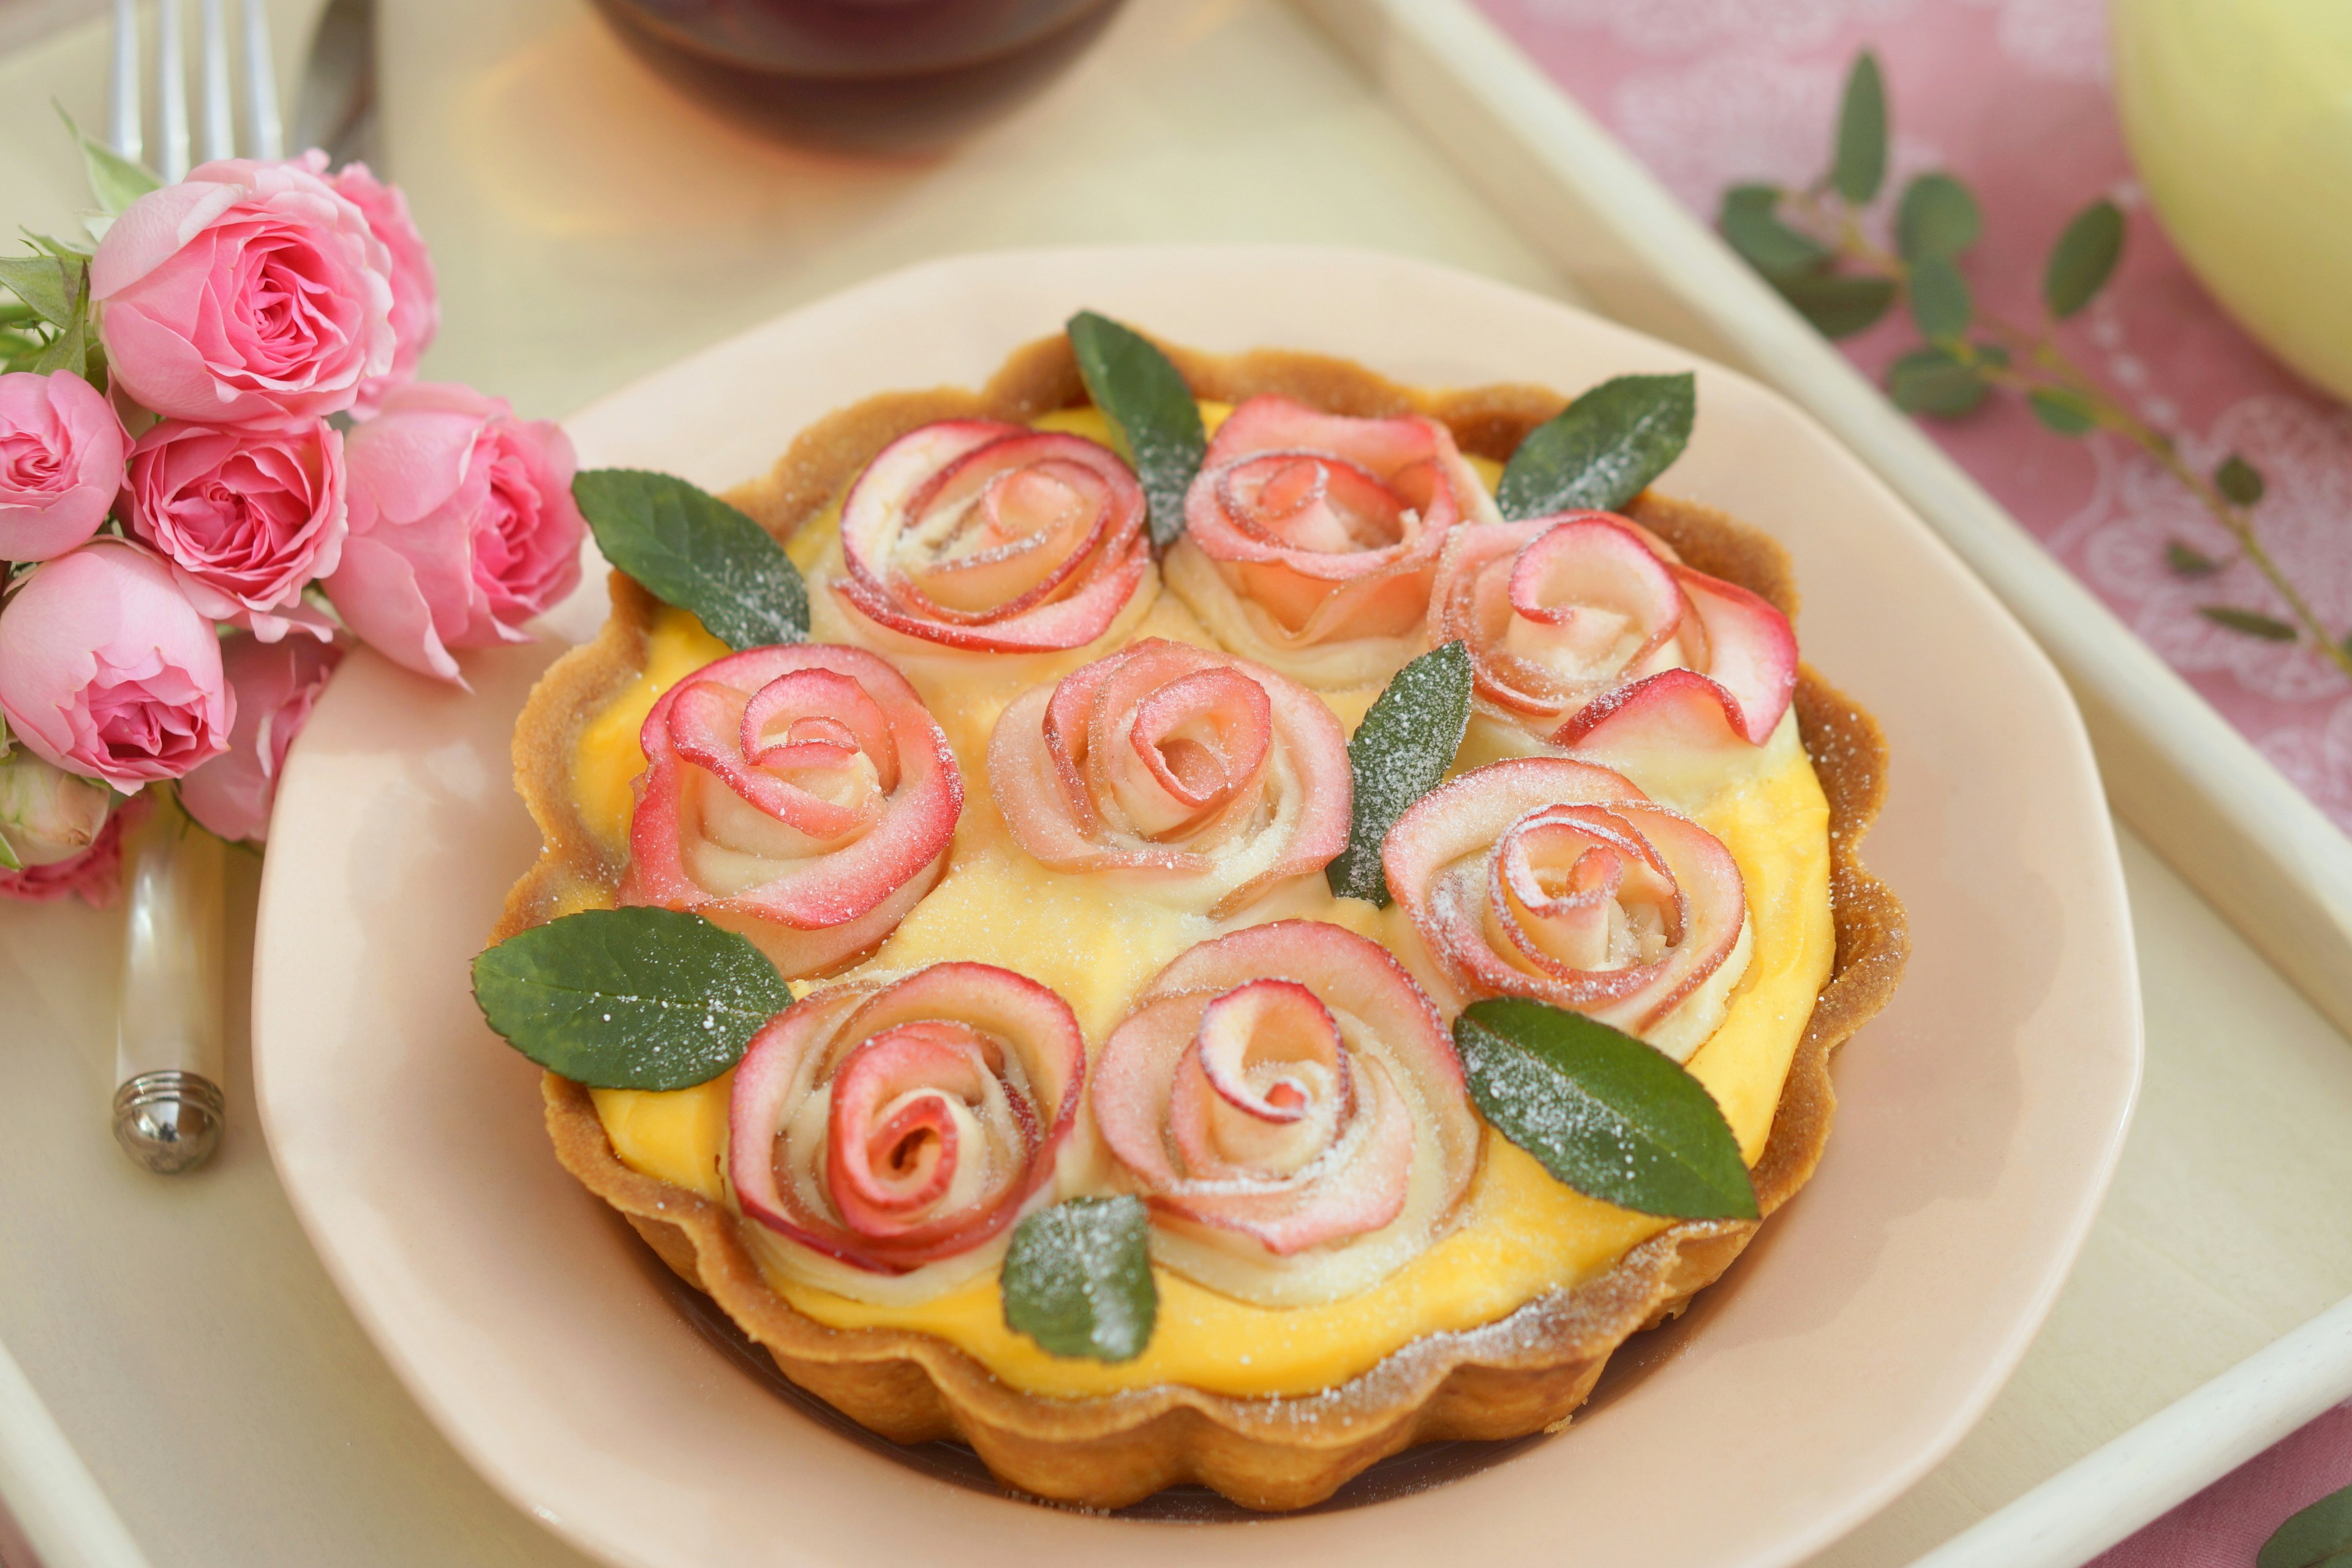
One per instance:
(115, 181)
(50, 285)
(1148, 403)
(692, 549)
(1838, 305)
(1077, 1278)
(1932, 382)
(2240, 482)
(2318, 1537)
(1750, 221)
(9, 860)
(1397, 756)
(69, 349)
(1939, 301)
(1938, 219)
(1601, 449)
(1606, 1114)
(2252, 623)
(1861, 166)
(2084, 257)
(2189, 563)
(2065, 412)
(629, 998)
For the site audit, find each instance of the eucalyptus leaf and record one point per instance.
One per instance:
(51, 287)
(1931, 381)
(1939, 301)
(629, 998)
(2319, 1536)
(1397, 756)
(2240, 482)
(2062, 411)
(1144, 397)
(1838, 305)
(1750, 221)
(2251, 622)
(1077, 1278)
(1861, 166)
(1938, 218)
(2189, 563)
(1602, 449)
(2084, 257)
(1610, 1117)
(115, 181)
(692, 549)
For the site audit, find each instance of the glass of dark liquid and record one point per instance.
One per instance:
(866, 76)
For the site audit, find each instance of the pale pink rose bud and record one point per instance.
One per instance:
(415, 302)
(60, 463)
(274, 685)
(246, 516)
(462, 526)
(249, 292)
(47, 815)
(107, 670)
(93, 873)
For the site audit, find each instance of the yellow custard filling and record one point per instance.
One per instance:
(1519, 1233)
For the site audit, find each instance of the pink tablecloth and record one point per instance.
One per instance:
(2011, 95)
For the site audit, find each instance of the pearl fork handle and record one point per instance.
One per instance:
(169, 1049)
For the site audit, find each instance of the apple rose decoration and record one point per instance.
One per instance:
(1566, 615)
(880, 1127)
(800, 795)
(1207, 780)
(1311, 539)
(1556, 880)
(1286, 1100)
(974, 534)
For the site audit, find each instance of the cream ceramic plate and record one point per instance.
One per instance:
(1850, 1348)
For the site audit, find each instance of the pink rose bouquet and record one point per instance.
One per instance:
(60, 463)
(245, 518)
(274, 685)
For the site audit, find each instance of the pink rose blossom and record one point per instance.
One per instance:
(60, 463)
(463, 526)
(107, 670)
(415, 303)
(247, 517)
(249, 292)
(93, 875)
(274, 685)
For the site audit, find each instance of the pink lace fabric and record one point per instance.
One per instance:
(2012, 97)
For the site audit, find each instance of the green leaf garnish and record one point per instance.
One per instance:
(1601, 449)
(692, 549)
(1939, 301)
(1838, 305)
(1606, 1114)
(115, 181)
(629, 998)
(2082, 259)
(1077, 1278)
(1397, 754)
(1750, 221)
(2068, 413)
(2251, 622)
(1861, 166)
(1938, 218)
(1150, 408)
(51, 286)
(2318, 1537)
(2240, 482)
(1931, 381)
(2187, 561)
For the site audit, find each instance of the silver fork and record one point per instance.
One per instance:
(170, 1030)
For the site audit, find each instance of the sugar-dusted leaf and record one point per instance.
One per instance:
(2240, 482)
(115, 181)
(2062, 411)
(2084, 257)
(1606, 1114)
(692, 549)
(1144, 397)
(1750, 221)
(50, 286)
(2319, 1536)
(1939, 301)
(1077, 1278)
(2251, 622)
(1931, 381)
(1938, 218)
(629, 998)
(1397, 754)
(1861, 166)
(1601, 449)
(2186, 562)
(1838, 305)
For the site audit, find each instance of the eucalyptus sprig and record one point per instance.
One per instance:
(1812, 245)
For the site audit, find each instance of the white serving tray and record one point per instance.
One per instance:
(2252, 843)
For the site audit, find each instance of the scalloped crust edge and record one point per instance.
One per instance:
(1525, 1373)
